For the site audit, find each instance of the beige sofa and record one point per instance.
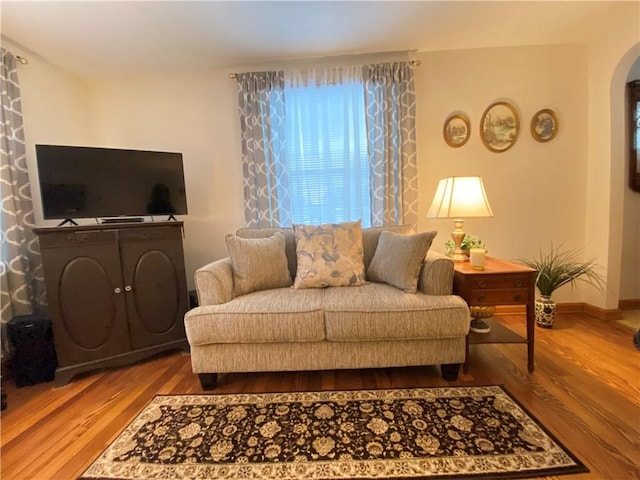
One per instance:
(286, 329)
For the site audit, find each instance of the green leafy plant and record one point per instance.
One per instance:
(559, 267)
(469, 241)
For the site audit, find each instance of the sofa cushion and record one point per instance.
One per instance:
(398, 259)
(258, 263)
(278, 315)
(371, 235)
(329, 255)
(266, 232)
(377, 311)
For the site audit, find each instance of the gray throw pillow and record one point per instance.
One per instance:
(258, 263)
(398, 259)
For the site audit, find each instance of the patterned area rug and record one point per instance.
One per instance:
(454, 432)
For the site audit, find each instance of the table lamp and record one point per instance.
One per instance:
(458, 197)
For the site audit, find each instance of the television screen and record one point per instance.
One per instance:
(81, 182)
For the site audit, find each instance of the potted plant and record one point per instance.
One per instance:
(468, 242)
(556, 268)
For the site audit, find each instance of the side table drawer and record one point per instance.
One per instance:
(501, 281)
(499, 297)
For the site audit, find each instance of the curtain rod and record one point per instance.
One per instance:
(413, 63)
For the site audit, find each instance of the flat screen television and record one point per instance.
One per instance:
(90, 182)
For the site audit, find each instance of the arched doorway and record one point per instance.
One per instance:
(625, 202)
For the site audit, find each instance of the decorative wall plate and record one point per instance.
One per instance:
(499, 127)
(544, 125)
(456, 130)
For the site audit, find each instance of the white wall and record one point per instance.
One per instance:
(196, 114)
(537, 190)
(53, 109)
(612, 53)
(540, 192)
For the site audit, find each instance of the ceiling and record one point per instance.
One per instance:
(98, 39)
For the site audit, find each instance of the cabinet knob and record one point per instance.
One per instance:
(518, 283)
(517, 297)
(127, 288)
(117, 290)
(482, 284)
(481, 298)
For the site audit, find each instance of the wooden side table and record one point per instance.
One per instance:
(500, 283)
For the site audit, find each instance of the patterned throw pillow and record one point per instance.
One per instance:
(258, 263)
(329, 255)
(398, 259)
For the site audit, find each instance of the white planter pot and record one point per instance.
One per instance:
(545, 311)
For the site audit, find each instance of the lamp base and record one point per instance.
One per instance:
(459, 257)
(457, 236)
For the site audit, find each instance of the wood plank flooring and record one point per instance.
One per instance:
(585, 390)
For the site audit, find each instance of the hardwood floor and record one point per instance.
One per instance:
(585, 389)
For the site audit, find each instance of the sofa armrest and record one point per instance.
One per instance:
(436, 275)
(214, 282)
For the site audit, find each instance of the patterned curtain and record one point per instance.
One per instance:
(262, 123)
(391, 132)
(21, 274)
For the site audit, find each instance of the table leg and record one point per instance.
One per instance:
(531, 329)
(465, 365)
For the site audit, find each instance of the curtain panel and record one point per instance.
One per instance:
(391, 134)
(261, 105)
(21, 273)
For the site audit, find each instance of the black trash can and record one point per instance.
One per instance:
(193, 299)
(34, 356)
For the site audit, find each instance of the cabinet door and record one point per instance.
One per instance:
(86, 301)
(155, 284)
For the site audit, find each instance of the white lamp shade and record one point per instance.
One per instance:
(460, 197)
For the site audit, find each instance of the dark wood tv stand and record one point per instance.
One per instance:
(117, 293)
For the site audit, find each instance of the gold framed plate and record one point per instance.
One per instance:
(456, 130)
(499, 127)
(544, 125)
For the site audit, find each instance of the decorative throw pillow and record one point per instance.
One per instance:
(398, 259)
(329, 255)
(258, 263)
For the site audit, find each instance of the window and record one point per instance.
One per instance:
(329, 145)
(326, 148)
